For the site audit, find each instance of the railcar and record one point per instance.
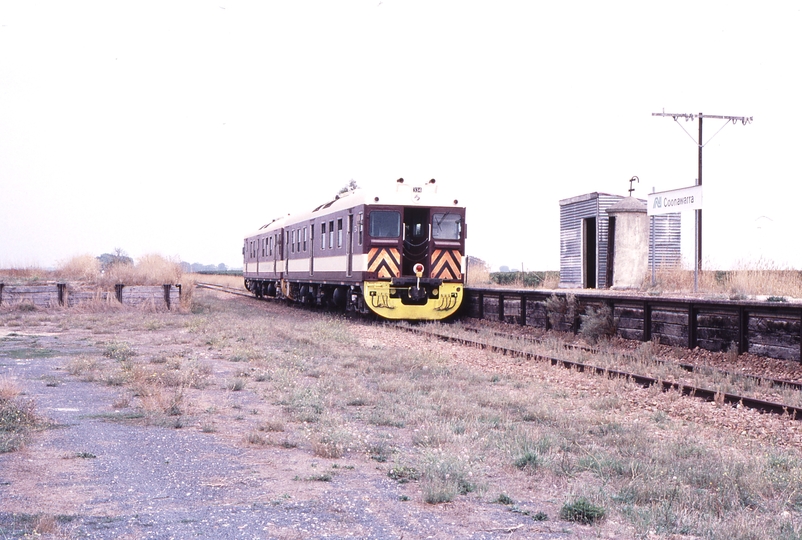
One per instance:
(398, 253)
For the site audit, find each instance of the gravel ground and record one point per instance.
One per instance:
(107, 479)
(95, 475)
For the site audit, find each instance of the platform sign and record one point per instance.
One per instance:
(676, 200)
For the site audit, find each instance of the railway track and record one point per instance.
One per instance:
(642, 380)
(223, 288)
(690, 368)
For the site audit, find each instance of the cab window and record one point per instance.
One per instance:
(446, 226)
(385, 224)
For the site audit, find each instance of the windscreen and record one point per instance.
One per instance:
(446, 226)
(385, 224)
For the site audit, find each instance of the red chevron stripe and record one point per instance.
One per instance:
(446, 264)
(384, 261)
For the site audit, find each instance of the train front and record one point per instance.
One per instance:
(415, 254)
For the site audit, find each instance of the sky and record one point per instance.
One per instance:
(178, 127)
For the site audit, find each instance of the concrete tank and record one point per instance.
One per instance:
(628, 227)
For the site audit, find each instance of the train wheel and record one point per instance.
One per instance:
(340, 297)
(306, 295)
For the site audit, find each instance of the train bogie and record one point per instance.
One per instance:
(399, 254)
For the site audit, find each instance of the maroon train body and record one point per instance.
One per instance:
(399, 254)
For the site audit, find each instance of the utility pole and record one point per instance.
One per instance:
(734, 119)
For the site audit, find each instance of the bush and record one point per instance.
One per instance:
(582, 511)
(597, 323)
(17, 418)
(562, 312)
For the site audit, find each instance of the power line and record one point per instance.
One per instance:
(700, 145)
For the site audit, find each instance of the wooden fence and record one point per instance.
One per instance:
(772, 329)
(63, 294)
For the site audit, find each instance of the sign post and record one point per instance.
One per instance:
(677, 200)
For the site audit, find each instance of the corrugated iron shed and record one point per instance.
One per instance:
(584, 240)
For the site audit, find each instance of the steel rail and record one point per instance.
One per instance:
(690, 368)
(223, 288)
(642, 380)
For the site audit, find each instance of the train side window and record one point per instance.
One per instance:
(360, 226)
(298, 239)
(340, 232)
(306, 231)
(446, 226)
(331, 235)
(385, 224)
(323, 235)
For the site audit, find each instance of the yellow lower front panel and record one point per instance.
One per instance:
(378, 297)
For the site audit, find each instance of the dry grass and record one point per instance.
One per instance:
(80, 268)
(9, 389)
(478, 273)
(454, 430)
(85, 273)
(149, 269)
(17, 417)
(27, 274)
(760, 278)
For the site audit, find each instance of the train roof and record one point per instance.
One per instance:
(401, 194)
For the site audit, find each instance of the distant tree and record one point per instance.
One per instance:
(350, 187)
(107, 260)
(188, 268)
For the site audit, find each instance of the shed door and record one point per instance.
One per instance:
(589, 253)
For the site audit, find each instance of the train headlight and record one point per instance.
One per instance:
(418, 269)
